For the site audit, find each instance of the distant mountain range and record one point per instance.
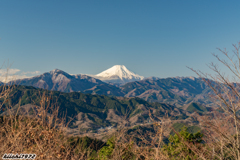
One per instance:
(177, 91)
(113, 98)
(59, 80)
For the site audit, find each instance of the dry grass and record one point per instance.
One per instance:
(44, 134)
(41, 133)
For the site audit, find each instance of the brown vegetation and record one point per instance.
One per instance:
(44, 134)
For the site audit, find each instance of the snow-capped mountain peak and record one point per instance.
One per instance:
(118, 73)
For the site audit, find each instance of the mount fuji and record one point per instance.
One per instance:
(118, 74)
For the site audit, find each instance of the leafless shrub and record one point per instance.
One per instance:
(222, 130)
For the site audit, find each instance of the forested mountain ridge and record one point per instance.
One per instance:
(92, 111)
(175, 91)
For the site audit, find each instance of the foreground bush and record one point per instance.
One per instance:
(180, 145)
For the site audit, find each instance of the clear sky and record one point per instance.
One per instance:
(151, 38)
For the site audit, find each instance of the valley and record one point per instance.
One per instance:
(95, 107)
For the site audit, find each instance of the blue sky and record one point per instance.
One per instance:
(151, 38)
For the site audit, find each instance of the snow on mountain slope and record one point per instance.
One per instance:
(118, 74)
